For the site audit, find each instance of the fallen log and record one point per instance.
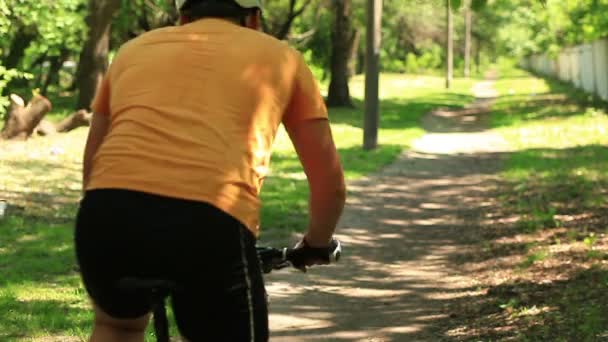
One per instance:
(21, 120)
(45, 128)
(79, 119)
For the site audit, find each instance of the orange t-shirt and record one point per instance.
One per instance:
(194, 111)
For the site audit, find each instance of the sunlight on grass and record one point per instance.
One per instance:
(527, 86)
(576, 128)
(544, 125)
(42, 175)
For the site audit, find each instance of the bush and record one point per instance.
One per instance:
(431, 58)
(390, 63)
(317, 70)
(411, 64)
(6, 75)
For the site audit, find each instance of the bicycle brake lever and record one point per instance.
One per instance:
(335, 255)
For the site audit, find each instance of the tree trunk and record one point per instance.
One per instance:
(450, 45)
(23, 38)
(342, 38)
(21, 120)
(467, 42)
(10, 119)
(38, 64)
(361, 61)
(478, 56)
(94, 56)
(52, 76)
(354, 53)
(372, 74)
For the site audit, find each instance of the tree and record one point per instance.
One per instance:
(449, 45)
(24, 36)
(413, 36)
(374, 34)
(279, 18)
(468, 41)
(94, 56)
(34, 32)
(343, 38)
(139, 16)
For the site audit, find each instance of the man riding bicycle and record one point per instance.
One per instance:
(179, 146)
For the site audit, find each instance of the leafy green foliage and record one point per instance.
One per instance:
(139, 16)
(520, 27)
(4, 17)
(477, 5)
(35, 32)
(58, 24)
(6, 75)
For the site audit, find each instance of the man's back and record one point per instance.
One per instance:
(197, 107)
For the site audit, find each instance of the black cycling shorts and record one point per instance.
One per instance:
(209, 256)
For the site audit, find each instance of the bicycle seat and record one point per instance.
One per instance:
(158, 286)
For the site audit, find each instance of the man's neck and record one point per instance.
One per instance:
(185, 21)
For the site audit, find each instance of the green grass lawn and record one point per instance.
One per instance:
(556, 182)
(40, 291)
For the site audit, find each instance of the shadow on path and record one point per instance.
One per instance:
(404, 229)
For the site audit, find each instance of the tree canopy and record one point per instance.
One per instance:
(39, 37)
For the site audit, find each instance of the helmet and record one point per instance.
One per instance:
(179, 4)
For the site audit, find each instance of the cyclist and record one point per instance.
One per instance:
(178, 149)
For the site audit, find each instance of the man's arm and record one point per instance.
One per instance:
(317, 152)
(97, 132)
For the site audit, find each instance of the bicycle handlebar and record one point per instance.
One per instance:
(276, 259)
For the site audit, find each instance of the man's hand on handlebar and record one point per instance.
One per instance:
(300, 257)
(304, 255)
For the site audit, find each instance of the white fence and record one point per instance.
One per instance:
(585, 66)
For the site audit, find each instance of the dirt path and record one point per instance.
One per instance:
(403, 229)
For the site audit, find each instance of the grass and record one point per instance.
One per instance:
(40, 291)
(555, 181)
